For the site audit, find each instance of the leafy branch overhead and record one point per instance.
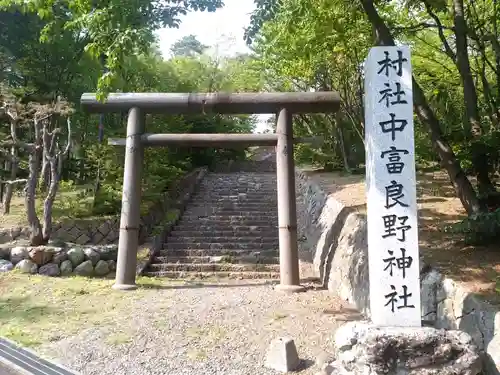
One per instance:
(114, 29)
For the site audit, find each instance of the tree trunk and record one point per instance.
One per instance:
(459, 180)
(45, 174)
(472, 120)
(36, 237)
(51, 196)
(342, 147)
(9, 189)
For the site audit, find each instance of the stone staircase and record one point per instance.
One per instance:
(229, 229)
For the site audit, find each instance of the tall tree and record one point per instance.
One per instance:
(188, 46)
(112, 28)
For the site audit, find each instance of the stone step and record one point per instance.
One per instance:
(268, 196)
(218, 275)
(235, 192)
(242, 259)
(227, 201)
(217, 252)
(227, 245)
(260, 208)
(197, 227)
(229, 212)
(238, 186)
(228, 222)
(264, 233)
(214, 267)
(193, 238)
(230, 218)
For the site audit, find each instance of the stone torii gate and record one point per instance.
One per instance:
(139, 104)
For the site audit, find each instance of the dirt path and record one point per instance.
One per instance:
(477, 267)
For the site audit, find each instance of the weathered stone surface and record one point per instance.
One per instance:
(27, 266)
(108, 252)
(50, 269)
(5, 251)
(41, 254)
(92, 255)
(282, 355)
(57, 243)
(112, 265)
(363, 349)
(76, 256)
(60, 255)
(101, 268)
(84, 269)
(5, 265)
(18, 253)
(66, 268)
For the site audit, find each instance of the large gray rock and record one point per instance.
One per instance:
(101, 268)
(92, 255)
(27, 266)
(112, 265)
(18, 253)
(5, 251)
(85, 269)
(5, 265)
(50, 269)
(66, 268)
(282, 355)
(76, 256)
(363, 349)
(108, 252)
(60, 255)
(41, 254)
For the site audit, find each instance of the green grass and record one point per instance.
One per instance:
(36, 309)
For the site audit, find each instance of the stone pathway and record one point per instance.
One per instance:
(206, 329)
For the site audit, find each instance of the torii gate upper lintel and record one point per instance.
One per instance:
(284, 104)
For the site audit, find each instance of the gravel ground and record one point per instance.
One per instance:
(209, 329)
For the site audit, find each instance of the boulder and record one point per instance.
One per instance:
(5, 265)
(101, 268)
(18, 253)
(112, 265)
(27, 266)
(5, 251)
(41, 255)
(84, 269)
(60, 255)
(92, 255)
(50, 269)
(66, 268)
(364, 349)
(108, 252)
(76, 256)
(57, 243)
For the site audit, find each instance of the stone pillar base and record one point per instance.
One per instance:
(363, 349)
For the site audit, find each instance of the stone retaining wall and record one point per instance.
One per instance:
(183, 193)
(85, 232)
(336, 243)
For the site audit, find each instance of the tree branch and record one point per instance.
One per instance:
(12, 182)
(440, 28)
(422, 26)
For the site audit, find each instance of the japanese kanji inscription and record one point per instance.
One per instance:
(391, 188)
